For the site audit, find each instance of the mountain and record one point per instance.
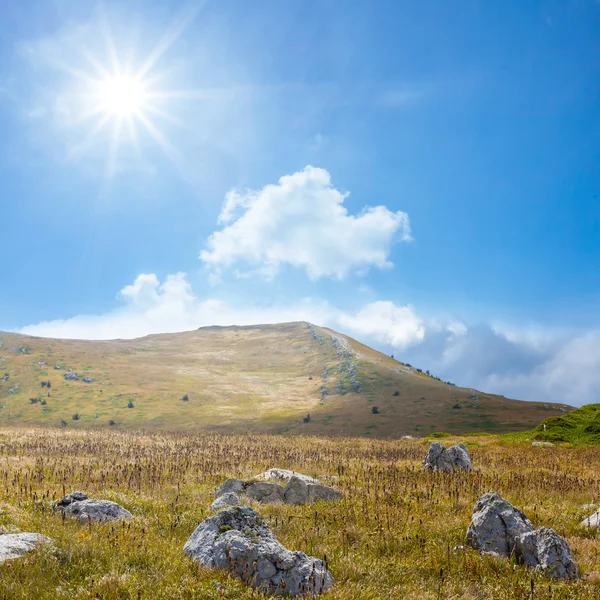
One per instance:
(263, 378)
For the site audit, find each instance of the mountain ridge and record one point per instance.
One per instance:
(293, 377)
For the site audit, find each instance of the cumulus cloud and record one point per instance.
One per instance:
(398, 326)
(302, 221)
(546, 368)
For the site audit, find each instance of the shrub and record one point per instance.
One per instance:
(185, 398)
(307, 418)
(396, 393)
(76, 417)
(130, 404)
(111, 423)
(63, 423)
(375, 410)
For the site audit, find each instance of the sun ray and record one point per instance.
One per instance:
(169, 37)
(160, 139)
(113, 149)
(81, 148)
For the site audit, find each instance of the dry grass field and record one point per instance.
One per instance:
(264, 378)
(393, 536)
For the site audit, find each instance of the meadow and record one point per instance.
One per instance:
(395, 535)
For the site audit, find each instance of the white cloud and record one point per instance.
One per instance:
(302, 221)
(398, 326)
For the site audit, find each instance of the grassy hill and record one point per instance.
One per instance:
(264, 378)
(581, 426)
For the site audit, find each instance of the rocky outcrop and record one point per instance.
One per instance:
(239, 541)
(298, 490)
(498, 527)
(84, 509)
(16, 545)
(441, 459)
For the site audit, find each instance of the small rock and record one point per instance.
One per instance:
(226, 500)
(298, 491)
(592, 520)
(16, 545)
(97, 510)
(238, 540)
(542, 444)
(441, 459)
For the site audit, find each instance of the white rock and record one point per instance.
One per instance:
(16, 545)
(547, 552)
(441, 459)
(495, 525)
(97, 510)
(542, 444)
(284, 476)
(238, 540)
(592, 520)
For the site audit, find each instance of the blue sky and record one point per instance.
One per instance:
(471, 129)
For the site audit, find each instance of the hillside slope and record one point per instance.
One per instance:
(256, 378)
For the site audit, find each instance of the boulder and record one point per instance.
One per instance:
(239, 541)
(592, 520)
(548, 552)
(16, 545)
(226, 500)
(284, 476)
(264, 492)
(542, 444)
(496, 524)
(231, 485)
(70, 498)
(298, 491)
(499, 528)
(441, 459)
(97, 510)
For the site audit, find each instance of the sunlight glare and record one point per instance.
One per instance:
(121, 96)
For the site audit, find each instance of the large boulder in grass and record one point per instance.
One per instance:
(283, 476)
(548, 552)
(441, 459)
(97, 510)
(496, 524)
(498, 527)
(298, 491)
(16, 545)
(238, 540)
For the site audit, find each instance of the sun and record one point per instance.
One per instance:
(128, 100)
(121, 96)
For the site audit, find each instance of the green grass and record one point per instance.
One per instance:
(581, 426)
